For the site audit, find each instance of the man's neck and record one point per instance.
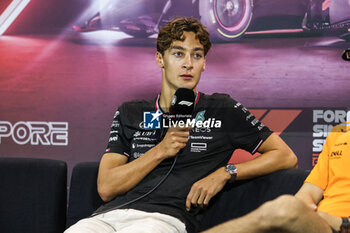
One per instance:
(165, 100)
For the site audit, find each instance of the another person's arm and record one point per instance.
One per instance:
(311, 195)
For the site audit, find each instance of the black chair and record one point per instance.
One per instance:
(83, 196)
(33, 194)
(234, 201)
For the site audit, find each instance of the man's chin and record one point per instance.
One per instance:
(188, 85)
(191, 87)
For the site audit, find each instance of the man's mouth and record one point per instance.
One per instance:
(186, 76)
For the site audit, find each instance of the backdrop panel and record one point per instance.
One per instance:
(60, 86)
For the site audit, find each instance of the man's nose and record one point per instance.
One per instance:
(188, 63)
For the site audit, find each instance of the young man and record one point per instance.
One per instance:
(154, 183)
(322, 205)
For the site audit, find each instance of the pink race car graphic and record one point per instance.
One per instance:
(226, 20)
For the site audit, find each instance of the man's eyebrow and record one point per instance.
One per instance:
(198, 49)
(177, 47)
(182, 48)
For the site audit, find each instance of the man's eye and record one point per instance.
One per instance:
(178, 54)
(197, 55)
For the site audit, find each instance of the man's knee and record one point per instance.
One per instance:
(90, 225)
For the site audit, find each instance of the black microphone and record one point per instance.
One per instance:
(182, 102)
(181, 108)
(182, 105)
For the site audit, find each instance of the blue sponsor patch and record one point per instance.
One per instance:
(151, 120)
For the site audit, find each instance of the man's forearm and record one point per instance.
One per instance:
(333, 221)
(119, 179)
(116, 178)
(275, 155)
(264, 164)
(310, 194)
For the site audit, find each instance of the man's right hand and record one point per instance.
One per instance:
(175, 140)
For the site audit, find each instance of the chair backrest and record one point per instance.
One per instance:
(33, 194)
(83, 196)
(232, 202)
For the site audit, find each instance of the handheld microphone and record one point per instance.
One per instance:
(182, 106)
(183, 102)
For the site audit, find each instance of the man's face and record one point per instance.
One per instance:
(182, 63)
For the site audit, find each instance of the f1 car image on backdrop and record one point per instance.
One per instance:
(226, 20)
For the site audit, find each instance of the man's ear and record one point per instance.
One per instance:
(203, 68)
(159, 60)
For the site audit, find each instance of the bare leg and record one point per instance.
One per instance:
(285, 214)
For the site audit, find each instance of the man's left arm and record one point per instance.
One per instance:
(275, 155)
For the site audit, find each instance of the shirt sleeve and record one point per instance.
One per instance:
(118, 142)
(320, 173)
(247, 132)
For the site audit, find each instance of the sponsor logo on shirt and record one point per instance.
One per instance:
(336, 154)
(113, 139)
(117, 113)
(137, 133)
(198, 146)
(135, 145)
(341, 144)
(255, 122)
(145, 139)
(144, 134)
(115, 124)
(200, 116)
(137, 155)
(201, 137)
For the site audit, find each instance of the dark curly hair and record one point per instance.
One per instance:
(174, 31)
